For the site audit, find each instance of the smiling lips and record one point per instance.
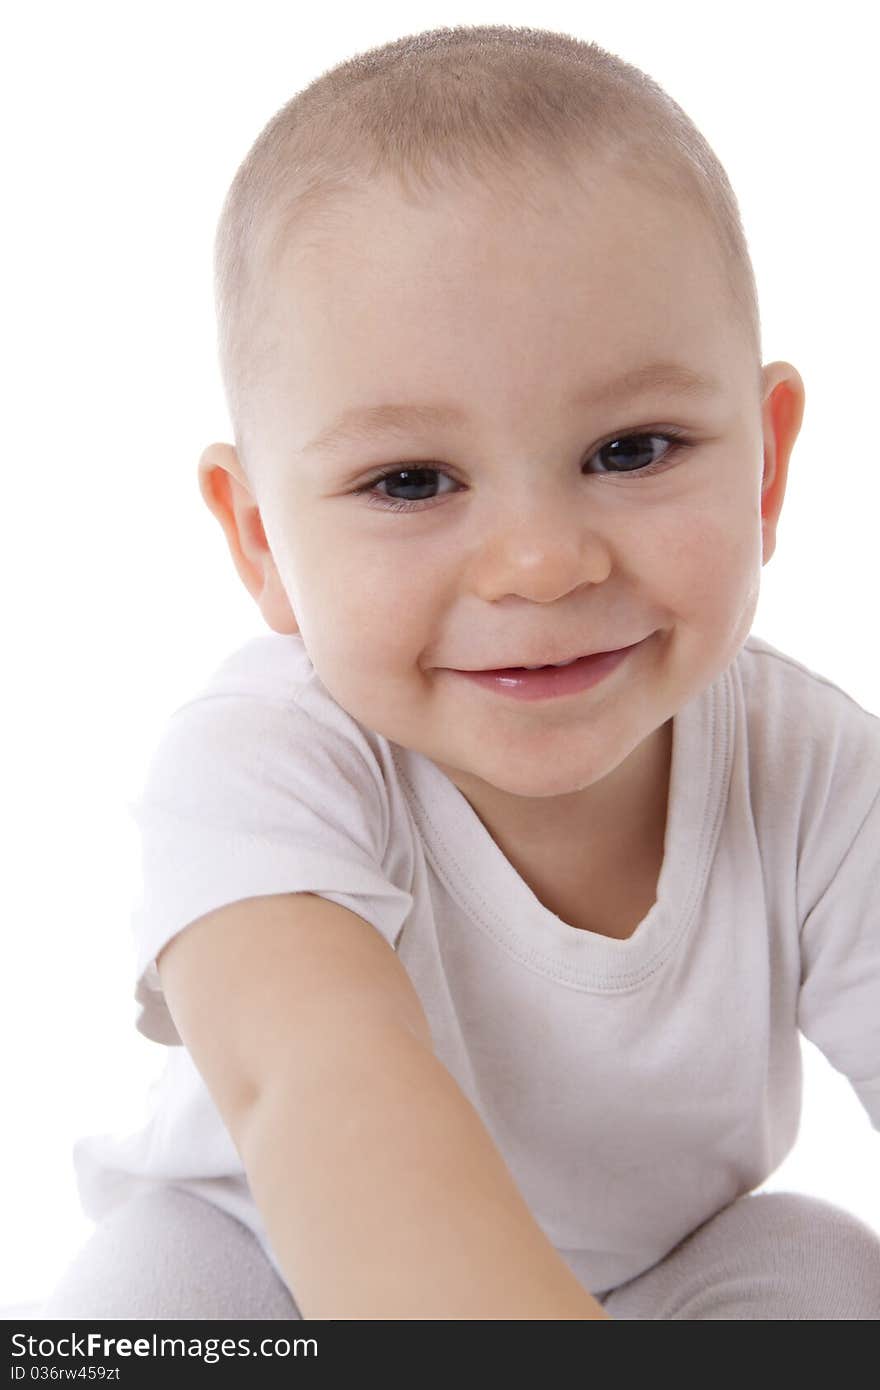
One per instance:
(551, 681)
(542, 665)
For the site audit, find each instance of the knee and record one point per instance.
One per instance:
(827, 1248)
(799, 1214)
(169, 1254)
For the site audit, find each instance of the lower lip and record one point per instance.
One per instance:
(552, 681)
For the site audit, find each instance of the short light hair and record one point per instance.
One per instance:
(483, 102)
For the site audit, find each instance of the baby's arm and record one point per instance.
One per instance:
(382, 1192)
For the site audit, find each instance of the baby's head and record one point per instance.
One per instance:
(525, 238)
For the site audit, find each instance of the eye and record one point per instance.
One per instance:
(629, 451)
(625, 455)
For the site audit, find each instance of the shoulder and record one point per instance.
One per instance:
(261, 784)
(807, 718)
(264, 716)
(813, 760)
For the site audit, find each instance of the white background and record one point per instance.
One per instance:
(122, 128)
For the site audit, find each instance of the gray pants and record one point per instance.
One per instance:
(767, 1256)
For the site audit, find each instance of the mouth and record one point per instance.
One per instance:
(552, 680)
(541, 665)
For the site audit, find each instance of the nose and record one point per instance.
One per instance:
(540, 550)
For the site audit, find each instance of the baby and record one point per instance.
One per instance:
(486, 896)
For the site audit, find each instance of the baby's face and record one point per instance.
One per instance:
(520, 543)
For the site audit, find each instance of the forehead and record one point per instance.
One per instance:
(505, 290)
(545, 233)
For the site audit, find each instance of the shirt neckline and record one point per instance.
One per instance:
(487, 887)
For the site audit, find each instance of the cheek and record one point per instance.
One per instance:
(365, 608)
(713, 571)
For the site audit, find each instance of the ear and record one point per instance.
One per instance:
(782, 413)
(226, 492)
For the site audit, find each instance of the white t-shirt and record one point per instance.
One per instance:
(633, 1087)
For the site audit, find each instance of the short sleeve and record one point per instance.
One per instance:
(244, 797)
(839, 1002)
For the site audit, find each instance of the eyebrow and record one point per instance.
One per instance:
(362, 423)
